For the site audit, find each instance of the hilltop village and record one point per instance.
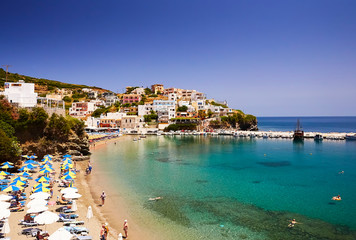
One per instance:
(137, 110)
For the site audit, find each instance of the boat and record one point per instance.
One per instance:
(142, 136)
(350, 137)
(298, 132)
(318, 137)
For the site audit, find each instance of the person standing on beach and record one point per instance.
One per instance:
(126, 228)
(103, 196)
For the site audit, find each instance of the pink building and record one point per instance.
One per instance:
(131, 98)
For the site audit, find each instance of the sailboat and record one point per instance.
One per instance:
(298, 132)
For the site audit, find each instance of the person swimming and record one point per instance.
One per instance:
(292, 223)
(155, 198)
(336, 198)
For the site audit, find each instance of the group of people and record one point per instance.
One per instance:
(104, 232)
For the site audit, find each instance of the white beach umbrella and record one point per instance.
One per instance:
(4, 213)
(37, 202)
(61, 234)
(120, 236)
(72, 195)
(6, 228)
(4, 205)
(69, 190)
(89, 213)
(41, 195)
(74, 206)
(4, 197)
(37, 209)
(46, 217)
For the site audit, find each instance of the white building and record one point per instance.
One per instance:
(139, 91)
(145, 109)
(21, 93)
(82, 109)
(166, 109)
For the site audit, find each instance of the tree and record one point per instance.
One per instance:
(182, 109)
(67, 99)
(9, 148)
(202, 114)
(148, 91)
(210, 113)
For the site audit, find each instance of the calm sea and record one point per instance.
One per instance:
(238, 188)
(310, 124)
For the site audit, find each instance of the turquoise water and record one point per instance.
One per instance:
(310, 124)
(241, 188)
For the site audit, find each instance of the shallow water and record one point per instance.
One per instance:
(235, 188)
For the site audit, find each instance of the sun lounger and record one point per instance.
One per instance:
(28, 224)
(30, 231)
(67, 218)
(83, 237)
(69, 223)
(77, 230)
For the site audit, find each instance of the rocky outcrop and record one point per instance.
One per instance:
(75, 146)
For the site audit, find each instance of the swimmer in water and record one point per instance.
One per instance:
(336, 198)
(292, 223)
(155, 199)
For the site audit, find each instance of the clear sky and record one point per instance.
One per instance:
(267, 58)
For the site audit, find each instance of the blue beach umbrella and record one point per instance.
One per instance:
(24, 174)
(30, 165)
(19, 178)
(12, 188)
(30, 162)
(3, 173)
(17, 183)
(41, 189)
(43, 179)
(40, 185)
(32, 157)
(67, 156)
(8, 163)
(6, 166)
(67, 177)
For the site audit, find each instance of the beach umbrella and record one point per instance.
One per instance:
(24, 174)
(42, 184)
(25, 156)
(30, 162)
(67, 156)
(89, 213)
(12, 188)
(25, 169)
(17, 183)
(10, 163)
(61, 234)
(42, 179)
(69, 190)
(6, 228)
(32, 157)
(4, 205)
(4, 213)
(120, 236)
(19, 179)
(66, 167)
(45, 171)
(37, 209)
(30, 165)
(41, 189)
(40, 195)
(74, 206)
(72, 195)
(3, 173)
(6, 166)
(48, 156)
(46, 218)
(39, 201)
(4, 197)
(67, 177)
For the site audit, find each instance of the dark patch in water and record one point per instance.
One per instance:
(275, 164)
(162, 159)
(256, 182)
(201, 181)
(331, 203)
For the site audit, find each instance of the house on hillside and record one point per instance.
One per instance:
(82, 109)
(22, 94)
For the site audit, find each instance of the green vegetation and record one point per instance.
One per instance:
(150, 117)
(181, 126)
(18, 126)
(239, 119)
(182, 109)
(218, 104)
(67, 99)
(148, 91)
(130, 89)
(50, 84)
(100, 111)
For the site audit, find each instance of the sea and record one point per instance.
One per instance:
(224, 187)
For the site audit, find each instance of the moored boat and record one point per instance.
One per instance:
(298, 132)
(318, 137)
(350, 137)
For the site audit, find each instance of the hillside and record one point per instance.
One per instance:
(42, 85)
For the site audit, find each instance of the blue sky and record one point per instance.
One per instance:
(267, 58)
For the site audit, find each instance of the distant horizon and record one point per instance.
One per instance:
(273, 58)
